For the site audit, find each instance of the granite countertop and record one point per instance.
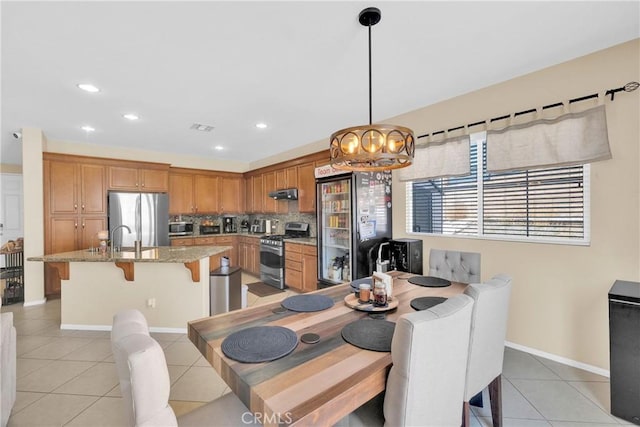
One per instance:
(160, 254)
(309, 241)
(198, 236)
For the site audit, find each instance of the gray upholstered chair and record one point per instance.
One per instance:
(7, 366)
(429, 352)
(461, 267)
(145, 384)
(486, 343)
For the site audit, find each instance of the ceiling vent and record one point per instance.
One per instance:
(201, 127)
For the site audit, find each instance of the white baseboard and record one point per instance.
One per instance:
(559, 359)
(35, 302)
(69, 326)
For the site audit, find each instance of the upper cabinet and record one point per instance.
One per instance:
(133, 178)
(75, 188)
(181, 193)
(203, 192)
(206, 195)
(231, 197)
(307, 188)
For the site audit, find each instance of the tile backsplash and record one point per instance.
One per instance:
(280, 220)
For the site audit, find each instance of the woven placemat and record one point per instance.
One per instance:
(424, 303)
(307, 302)
(356, 283)
(370, 334)
(259, 344)
(429, 281)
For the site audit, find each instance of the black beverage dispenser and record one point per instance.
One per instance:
(406, 255)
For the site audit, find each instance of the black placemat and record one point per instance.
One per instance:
(424, 303)
(356, 283)
(307, 302)
(429, 281)
(259, 344)
(370, 334)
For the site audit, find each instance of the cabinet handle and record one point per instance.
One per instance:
(143, 184)
(76, 225)
(83, 225)
(75, 206)
(82, 207)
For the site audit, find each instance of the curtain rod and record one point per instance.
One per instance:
(629, 87)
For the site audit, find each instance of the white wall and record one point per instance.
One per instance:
(559, 300)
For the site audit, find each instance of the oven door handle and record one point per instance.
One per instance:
(271, 249)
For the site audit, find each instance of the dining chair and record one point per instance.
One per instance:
(429, 352)
(486, 343)
(145, 383)
(461, 267)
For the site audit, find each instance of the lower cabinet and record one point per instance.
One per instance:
(301, 267)
(249, 255)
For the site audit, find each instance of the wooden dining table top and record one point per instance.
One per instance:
(316, 384)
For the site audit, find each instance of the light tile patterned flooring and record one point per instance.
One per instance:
(69, 378)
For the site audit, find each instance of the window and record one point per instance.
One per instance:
(547, 204)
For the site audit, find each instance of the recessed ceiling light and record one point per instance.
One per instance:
(88, 87)
(261, 125)
(88, 128)
(130, 116)
(218, 147)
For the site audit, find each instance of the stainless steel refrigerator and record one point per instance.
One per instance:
(354, 217)
(146, 214)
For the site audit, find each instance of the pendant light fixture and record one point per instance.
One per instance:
(372, 147)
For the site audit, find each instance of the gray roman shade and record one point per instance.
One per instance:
(437, 159)
(569, 139)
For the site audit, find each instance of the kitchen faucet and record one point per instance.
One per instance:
(114, 231)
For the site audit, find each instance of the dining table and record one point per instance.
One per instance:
(316, 383)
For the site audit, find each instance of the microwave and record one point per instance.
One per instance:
(180, 228)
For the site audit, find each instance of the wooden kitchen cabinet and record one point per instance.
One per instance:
(249, 255)
(75, 188)
(182, 241)
(206, 194)
(269, 205)
(300, 267)
(199, 192)
(248, 194)
(181, 194)
(132, 178)
(231, 199)
(307, 188)
(282, 206)
(258, 195)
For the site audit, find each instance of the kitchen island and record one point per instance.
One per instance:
(169, 285)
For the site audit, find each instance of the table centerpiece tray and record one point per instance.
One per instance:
(353, 302)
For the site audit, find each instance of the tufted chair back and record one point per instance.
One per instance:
(461, 267)
(429, 352)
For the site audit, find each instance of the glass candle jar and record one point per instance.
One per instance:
(379, 295)
(365, 292)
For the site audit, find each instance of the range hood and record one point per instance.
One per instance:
(286, 194)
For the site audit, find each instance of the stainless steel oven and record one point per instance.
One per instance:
(272, 253)
(272, 261)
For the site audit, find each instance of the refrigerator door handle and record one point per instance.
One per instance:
(138, 213)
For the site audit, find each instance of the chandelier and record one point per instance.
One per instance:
(372, 147)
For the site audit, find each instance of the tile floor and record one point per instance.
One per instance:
(68, 378)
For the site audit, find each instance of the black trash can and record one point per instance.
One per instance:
(624, 350)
